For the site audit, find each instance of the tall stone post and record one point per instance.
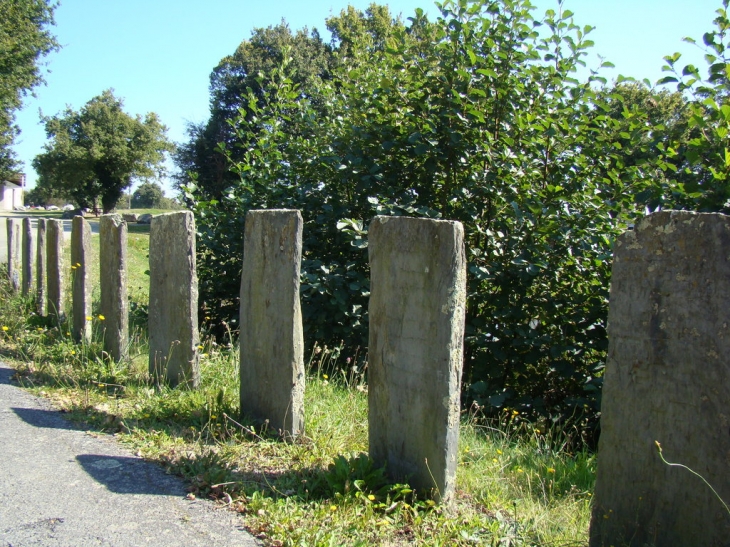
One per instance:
(113, 281)
(28, 255)
(81, 285)
(14, 252)
(667, 380)
(173, 309)
(417, 314)
(40, 268)
(54, 277)
(271, 340)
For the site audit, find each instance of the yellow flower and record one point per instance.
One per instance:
(371, 497)
(515, 413)
(213, 416)
(5, 328)
(89, 318)
(101, 317)
(499, 452)
(73, 352)
(333, 508)
(200, 347)
(323, 376)
(550, 470)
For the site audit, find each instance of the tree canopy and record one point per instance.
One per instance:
(311, 61)
(96, 153)
(25, 38)
(149, 195)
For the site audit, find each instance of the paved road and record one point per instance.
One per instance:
(61, 487)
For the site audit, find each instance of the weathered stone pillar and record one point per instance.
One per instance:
(14, 252)
(113, 281)
(54, 257)
(667, 379)
(27, 252)
(173, 310)
(41, 268)
(416, 315)
(81, 284)
(271, 340)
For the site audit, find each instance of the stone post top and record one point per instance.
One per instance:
(274, 212)
(383, 219)
(670, 215)
(668, 221)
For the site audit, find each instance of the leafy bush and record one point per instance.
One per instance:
(477, 117)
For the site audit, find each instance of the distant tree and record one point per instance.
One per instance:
(97, 152)
(24, 40)
(148, 196)
(35, 196)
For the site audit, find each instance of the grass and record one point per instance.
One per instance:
(515, 485)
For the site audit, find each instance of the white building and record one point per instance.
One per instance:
(11, 192)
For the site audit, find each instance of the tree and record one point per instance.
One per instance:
(704, 177)
(148, 196)
(97, 152)
(24, 39)
(235, 74)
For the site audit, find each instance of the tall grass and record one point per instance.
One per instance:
(516, 485)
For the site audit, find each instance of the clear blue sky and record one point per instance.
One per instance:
(157, 54)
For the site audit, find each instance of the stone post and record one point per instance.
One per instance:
(14, 252)
(271, 340)
(667, 380)
(113, 281)
(173, 310)
(54, 257)
(27, 252)
(40, 268)
(417, 314)
(81, 285)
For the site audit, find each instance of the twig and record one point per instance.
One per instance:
(695, 473)
(243, 427)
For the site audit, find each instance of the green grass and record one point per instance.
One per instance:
(515, 486)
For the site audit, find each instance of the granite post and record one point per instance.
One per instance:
(14, 252)
(81, 284)
(41, 268)
(667, 381)
(113, 280)
(271, 340)
(416, 315)
(173, 308)
(27, 261)
(54, 277)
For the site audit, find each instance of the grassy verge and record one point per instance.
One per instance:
(515, 485)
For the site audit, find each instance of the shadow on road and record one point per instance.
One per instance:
(129, 475)
(38, 417)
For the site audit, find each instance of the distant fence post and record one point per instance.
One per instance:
(81, 286)
(27, 252)
(667, 379)
(271, 339)
(173, 308)
(113, 281)
(41, 268)
(54, 256)
(416, 316)
(14, 253)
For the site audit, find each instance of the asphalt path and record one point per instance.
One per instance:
(61, 486)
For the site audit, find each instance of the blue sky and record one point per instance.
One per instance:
(157, 54)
